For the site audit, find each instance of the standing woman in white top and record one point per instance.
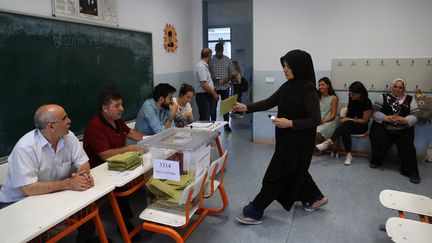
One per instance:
(328, 105)
(184, 114)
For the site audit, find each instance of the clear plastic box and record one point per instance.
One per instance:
(189, 147)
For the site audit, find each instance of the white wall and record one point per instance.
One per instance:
(340, 28)
(148, 16)
(335, 29)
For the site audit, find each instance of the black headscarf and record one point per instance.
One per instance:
(301, 65)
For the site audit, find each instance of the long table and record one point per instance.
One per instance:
(119, 180)
(32, 216)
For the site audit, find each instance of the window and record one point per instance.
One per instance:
(223, 35)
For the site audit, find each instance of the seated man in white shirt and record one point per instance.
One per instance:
(46, 159)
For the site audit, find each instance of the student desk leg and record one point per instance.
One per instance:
(219, 145)
(73, 223)
(127, 236)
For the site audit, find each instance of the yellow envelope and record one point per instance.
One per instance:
(227, 104)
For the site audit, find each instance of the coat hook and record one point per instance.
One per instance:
(367, 63)
(382, 63)
(412, 62)
(397, 62)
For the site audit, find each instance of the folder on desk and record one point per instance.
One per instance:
(125, 161)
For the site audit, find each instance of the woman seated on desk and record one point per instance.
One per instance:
(328, 105)
(184, 114)
(393, 123)
(354, 122)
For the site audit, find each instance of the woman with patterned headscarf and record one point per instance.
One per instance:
(394, 123)
(287, 178)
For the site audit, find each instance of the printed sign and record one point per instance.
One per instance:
(166, 169)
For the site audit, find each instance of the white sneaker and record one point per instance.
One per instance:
(348, 159)
(324, 145)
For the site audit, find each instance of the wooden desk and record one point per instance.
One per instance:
(121, 179)
(32, 216)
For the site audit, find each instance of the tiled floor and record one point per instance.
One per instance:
(353, 214)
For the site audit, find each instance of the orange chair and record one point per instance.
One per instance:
(216, 167)
(163, 220)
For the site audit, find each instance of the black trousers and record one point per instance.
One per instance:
(205, 103)
(345, 130)
(238, 92)
(287, 178)
(382, 139)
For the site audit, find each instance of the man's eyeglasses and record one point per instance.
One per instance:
(62, 120)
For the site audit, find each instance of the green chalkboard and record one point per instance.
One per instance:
(51, 61)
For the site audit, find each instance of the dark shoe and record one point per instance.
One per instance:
(228, 128)
(414, 178)
(373, 165)
(250, 215)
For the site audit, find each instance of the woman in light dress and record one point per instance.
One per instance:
(328, 105)
(184, 114)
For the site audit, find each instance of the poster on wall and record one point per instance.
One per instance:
(102, 11)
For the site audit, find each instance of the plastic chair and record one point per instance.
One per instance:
(336, 147)
(163, 220)
(408, 231)
(217, 167)
(408, 203)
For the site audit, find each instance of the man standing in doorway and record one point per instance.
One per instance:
(206, 95)
(222, 71)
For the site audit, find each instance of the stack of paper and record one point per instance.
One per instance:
(166, 191)
(125, 161)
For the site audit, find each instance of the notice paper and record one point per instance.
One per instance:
(227, 104)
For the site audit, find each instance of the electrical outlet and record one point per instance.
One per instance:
(269, 80)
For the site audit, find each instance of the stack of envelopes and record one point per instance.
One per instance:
(125, 161)
(166, 191)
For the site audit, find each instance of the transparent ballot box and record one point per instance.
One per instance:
(179, 153)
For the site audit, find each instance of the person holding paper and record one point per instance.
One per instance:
(287, 178)
(47, 159)
(184, 114)
(105, 136)
(222, 71)
(106, 133)
(206, 95)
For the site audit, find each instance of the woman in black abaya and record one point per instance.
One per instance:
(287, 178)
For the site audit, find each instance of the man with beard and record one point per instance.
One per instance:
(158, 113)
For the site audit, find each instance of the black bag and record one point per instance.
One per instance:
(244, 85)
